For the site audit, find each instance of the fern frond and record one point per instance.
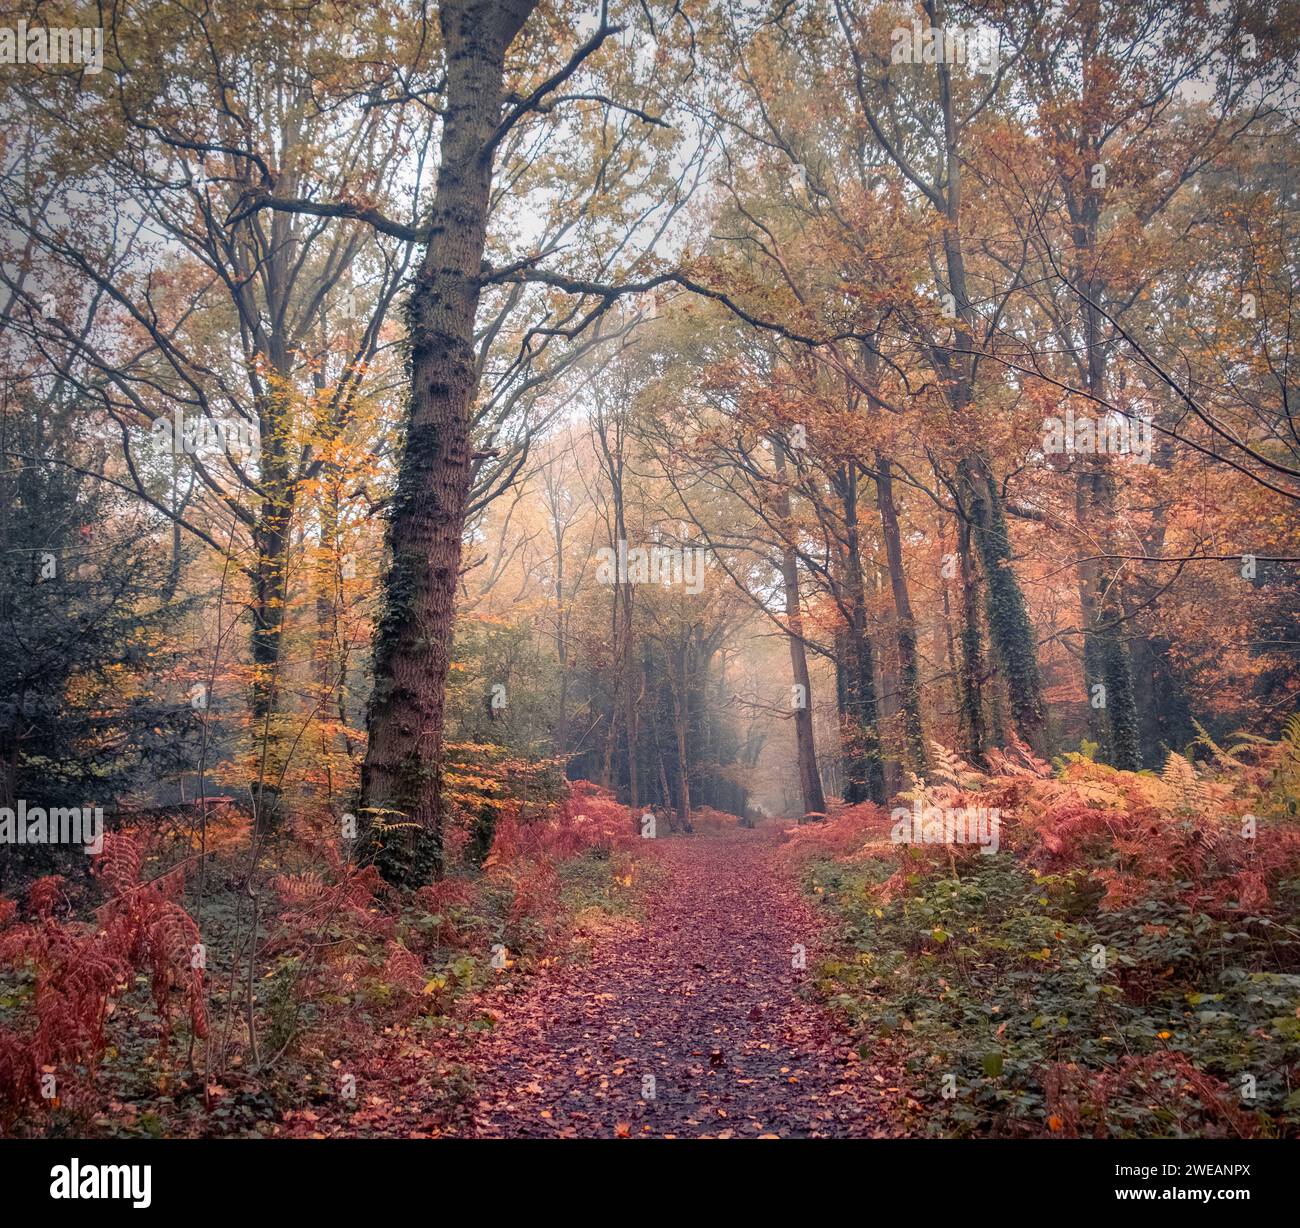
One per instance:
(1187, 788)
(1222, 757)
(1291, 733)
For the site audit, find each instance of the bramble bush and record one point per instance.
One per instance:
(1126, 965)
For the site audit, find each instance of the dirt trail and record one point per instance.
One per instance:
(702, 997)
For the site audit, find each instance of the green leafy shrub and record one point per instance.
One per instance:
(1120, 968)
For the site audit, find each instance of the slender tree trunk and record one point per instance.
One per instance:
(909, 680)
(14, 702)
(271, 542)
(866, 762)
(561, 728)
(665, 790)
(611, 740)
(633, 749)
(1165, 713)
(810, 781)
(972, 650)
(680, 729)
(889, 688)
(631, 701)
(946, 650)
(331, 652)
(1009, 625)
(844, 708)
(1107, 667)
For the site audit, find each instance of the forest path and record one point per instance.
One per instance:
(702, 996)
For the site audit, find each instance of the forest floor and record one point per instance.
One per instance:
(694, 1021)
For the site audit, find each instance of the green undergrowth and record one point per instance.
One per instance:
(1018, 1006)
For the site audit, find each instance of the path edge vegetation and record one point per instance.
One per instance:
(1125, 965)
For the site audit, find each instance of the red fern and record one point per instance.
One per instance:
(78, 968)
(1079, 1099)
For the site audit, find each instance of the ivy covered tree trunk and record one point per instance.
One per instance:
(1159, 687)
(1121, 704)
(271, 538)
(272, 532)
(864, 763)
(842, 704)
(972, 649)
(909, 676)
(1092, 664)
(1009, 626)
(401, 778)
(482, 833)
(1107, 667)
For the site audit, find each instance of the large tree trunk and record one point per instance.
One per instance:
(401, 779)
